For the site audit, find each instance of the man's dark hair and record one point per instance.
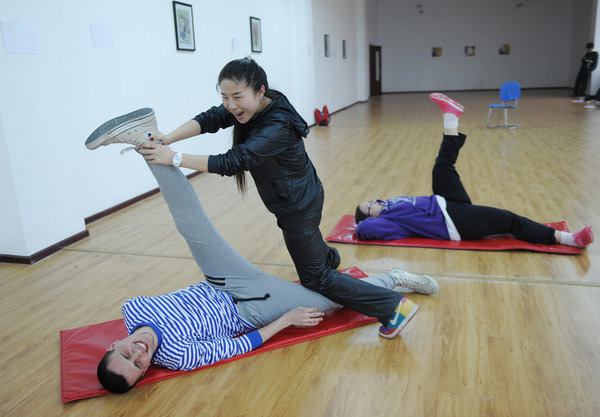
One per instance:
(110, 380)
(359, 216)
(590, 45)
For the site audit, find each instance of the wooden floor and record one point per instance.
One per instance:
(509, 333)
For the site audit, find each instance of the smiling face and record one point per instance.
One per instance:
(133, 354)
(372, 208)
(242, 101)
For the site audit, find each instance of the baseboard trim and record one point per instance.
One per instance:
(29, 260)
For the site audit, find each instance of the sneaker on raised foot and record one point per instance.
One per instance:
(408, 282)
(447, 105)
(134, 128)
(404, 312)
(584, 237)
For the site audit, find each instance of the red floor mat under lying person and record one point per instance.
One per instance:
(343, 232)
(81, 349)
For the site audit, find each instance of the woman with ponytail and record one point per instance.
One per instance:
(268, 142)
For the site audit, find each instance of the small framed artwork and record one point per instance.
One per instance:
(436, 51)
(470, 50)
(344, 50)
(327, 47)
(184, 26)
(255, 34)
(504, 49)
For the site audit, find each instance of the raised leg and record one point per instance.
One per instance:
(445, 180)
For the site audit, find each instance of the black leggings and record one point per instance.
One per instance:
(472, 221)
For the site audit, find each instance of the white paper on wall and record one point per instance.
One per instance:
(19, 37)
(102, 34)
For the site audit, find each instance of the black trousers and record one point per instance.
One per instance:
(472, 221)
(581, 83)
(316, 265)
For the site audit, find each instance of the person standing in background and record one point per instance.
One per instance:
(588, 64)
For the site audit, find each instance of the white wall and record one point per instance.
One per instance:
(372, 8)
(301, 87)
(584, 18)
(52, 101)
(11, 228)
(337, 79)
(539, 34)
(362, 50)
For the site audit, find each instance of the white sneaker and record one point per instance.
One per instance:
(407, 282)
(133, 128)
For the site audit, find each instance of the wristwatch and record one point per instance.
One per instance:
(177, 158)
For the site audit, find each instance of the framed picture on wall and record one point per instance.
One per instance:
(436, 51)
(184, 26)
(470, 50)
(344, 50)
(504, 49)
(327, 47)
(255, 34)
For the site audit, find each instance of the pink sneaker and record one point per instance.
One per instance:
(584, 237)
(447, 105)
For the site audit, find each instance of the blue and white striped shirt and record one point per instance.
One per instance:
(196, 326)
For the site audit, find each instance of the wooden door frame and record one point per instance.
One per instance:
(375, 70)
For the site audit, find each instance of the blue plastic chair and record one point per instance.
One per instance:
(509, 92)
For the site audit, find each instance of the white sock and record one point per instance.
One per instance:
(450, 121)
(567, 239)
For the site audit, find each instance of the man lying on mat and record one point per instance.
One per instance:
(448, 214)
(238, 307)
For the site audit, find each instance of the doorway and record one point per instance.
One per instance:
(375, 70)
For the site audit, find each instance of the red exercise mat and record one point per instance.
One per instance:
(343, 232)
(81, 349)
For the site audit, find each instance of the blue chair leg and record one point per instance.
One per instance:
(516, 125)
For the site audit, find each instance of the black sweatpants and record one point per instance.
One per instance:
(472, 221)
(581, 83)
(316, 265)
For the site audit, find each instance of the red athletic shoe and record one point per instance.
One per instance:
(318, 116)
(326, 114)
(584, 237)
(447, 105)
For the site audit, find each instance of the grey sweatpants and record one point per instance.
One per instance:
(225, 269)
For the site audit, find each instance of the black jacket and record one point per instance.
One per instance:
(589, 61)
(274, 153)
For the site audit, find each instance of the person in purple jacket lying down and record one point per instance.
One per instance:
(448, 213)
